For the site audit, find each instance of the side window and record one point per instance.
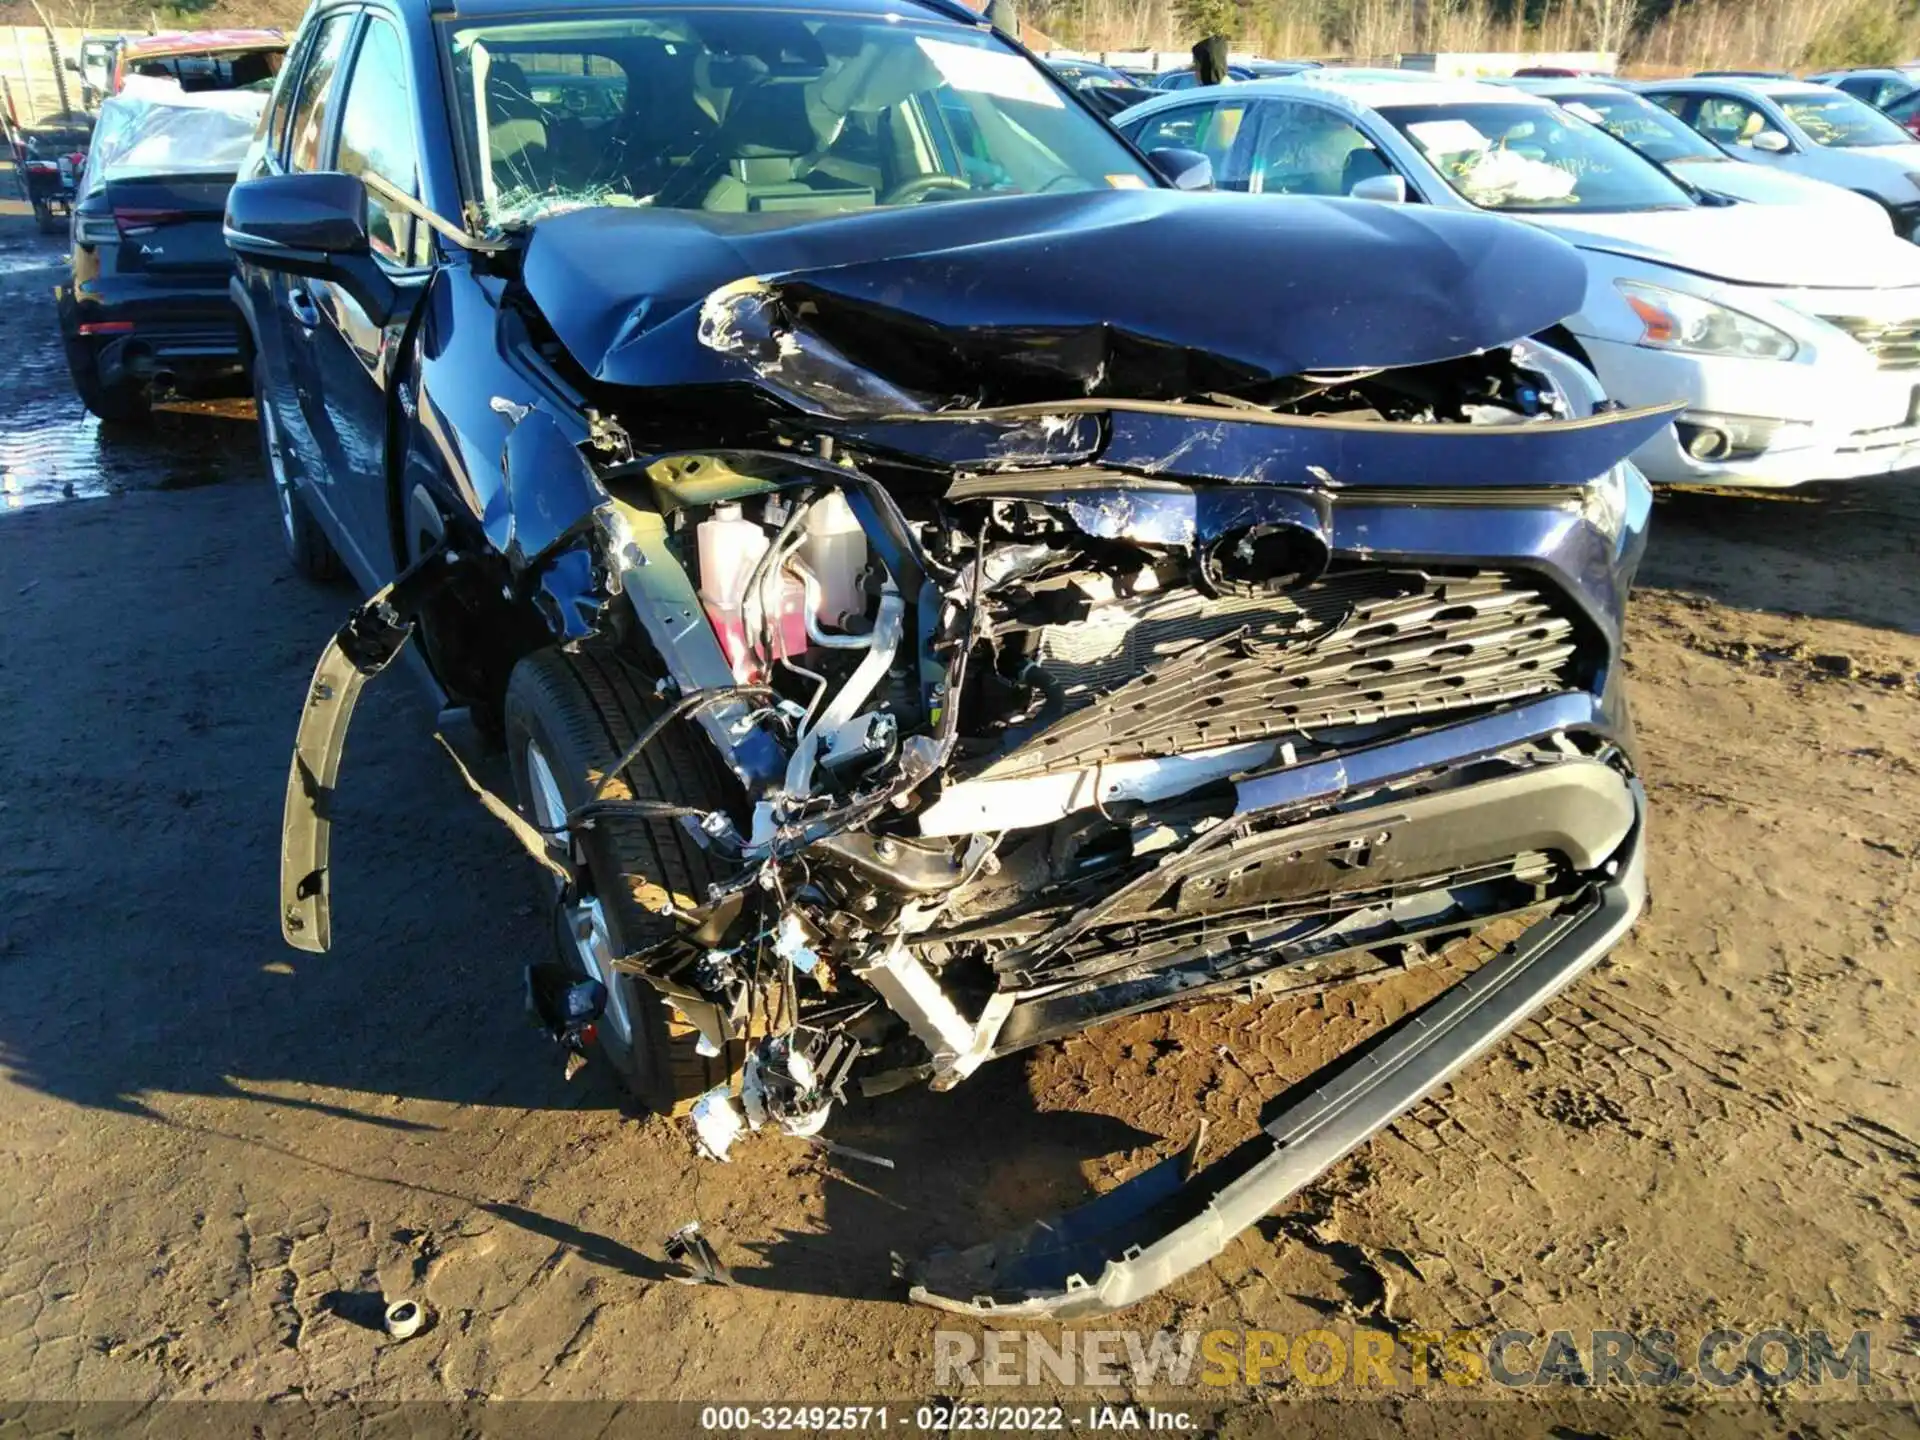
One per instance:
(376, 135)
(281, 105)
(309, 121)
(1681, 105)
(1303, 150)
(1180, 128)
(1219, 132)
(1728, 121)
(1209, 126)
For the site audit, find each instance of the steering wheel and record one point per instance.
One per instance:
(919, 186)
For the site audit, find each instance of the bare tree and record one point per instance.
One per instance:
(1610, 23)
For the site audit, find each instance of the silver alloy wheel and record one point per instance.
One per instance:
(586, 920)
(282, 486)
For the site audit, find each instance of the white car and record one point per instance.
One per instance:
(1661, 136)
(1792, 340)
(1804, 129)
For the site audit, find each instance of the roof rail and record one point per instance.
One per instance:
(955, 9)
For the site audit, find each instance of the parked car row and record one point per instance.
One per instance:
(146, 309)
(937, 584)
(1790, 333)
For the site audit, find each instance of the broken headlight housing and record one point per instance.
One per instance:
(1573, 389)
(1673, 320)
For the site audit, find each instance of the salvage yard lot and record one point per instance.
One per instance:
(214, 1147)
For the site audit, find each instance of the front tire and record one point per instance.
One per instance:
(307, 545)
(568, 718)
(125, 402)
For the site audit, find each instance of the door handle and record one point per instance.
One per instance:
(300, 303)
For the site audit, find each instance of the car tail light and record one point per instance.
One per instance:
(136, 222)
(95, 229)
(108, 327)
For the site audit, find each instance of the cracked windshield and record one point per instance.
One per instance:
(763, 113)
(1518, 157)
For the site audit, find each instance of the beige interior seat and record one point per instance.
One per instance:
(516, 131)
(769, 144)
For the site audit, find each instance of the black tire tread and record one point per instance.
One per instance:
(308, 548)
(594, 705)
(312, 553)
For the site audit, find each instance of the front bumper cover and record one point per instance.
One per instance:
(1124, 1245)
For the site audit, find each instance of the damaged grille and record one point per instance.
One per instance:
(1190, 931)
(1172, 676)
(1894, 344)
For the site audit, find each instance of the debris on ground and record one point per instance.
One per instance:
(834, 1147)
(689, 1249)
(406, 1319)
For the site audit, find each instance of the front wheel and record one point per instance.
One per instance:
(569, 717)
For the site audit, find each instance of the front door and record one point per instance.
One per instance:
(353, 358)
(285, 313)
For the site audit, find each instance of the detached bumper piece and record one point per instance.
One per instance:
(373, 635)
(1130, 1242)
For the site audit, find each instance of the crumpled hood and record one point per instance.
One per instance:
(1144, 294)
(1784, 245)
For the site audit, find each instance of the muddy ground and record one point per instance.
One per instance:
(215, 1151)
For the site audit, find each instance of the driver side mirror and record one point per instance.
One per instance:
(1770, 142)
(1390, 188)
(313, 225)
(1182, 169)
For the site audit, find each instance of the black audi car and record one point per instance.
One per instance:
(936, 585)
(146, 310)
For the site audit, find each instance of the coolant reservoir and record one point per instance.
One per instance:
(835, 550)
(730, 545)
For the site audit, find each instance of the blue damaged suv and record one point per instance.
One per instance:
(937, 582)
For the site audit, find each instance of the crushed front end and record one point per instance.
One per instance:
(1062, 674)
(1102, 711)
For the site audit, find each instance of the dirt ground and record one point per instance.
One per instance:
(217, 1153)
